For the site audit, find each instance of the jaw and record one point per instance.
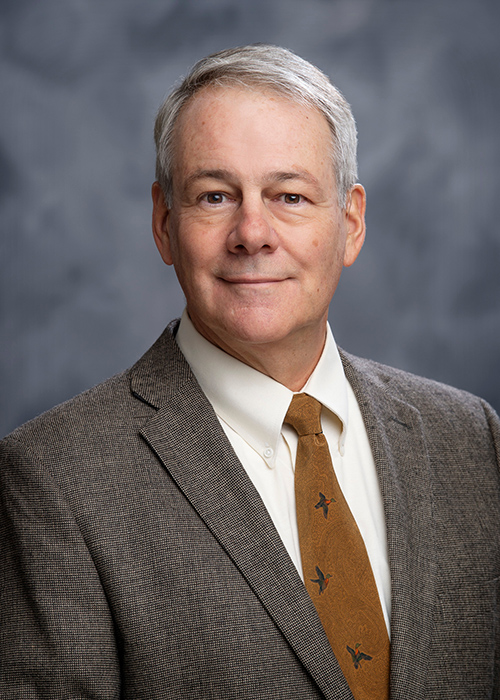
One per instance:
(267, 340)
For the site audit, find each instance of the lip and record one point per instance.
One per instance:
(252, 280)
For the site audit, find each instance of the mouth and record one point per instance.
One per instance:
(247, 280)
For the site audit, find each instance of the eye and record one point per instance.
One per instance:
(291, 198)
(214, 198)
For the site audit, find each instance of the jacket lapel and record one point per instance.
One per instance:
(188, 439)
(186, 436)
(396, 436)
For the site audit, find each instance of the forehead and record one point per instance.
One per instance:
(251, 121)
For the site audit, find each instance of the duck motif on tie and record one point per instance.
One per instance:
(337, 571)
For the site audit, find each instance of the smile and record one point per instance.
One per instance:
(252, 280)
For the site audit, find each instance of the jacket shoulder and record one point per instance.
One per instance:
(81, 414)
(114, 405)
(450, 417)
(422, 392)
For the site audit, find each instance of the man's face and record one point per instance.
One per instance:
(255, 232)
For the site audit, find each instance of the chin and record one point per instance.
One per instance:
(251, 326)
(258, 331)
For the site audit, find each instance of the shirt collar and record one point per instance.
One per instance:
(251, 403)
(328, 384)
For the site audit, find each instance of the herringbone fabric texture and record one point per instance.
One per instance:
(337, 571)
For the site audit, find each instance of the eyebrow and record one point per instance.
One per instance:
(274, 176)
(285, 176)
(218, 174)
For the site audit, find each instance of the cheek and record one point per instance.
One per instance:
(187, 248)
(198, 241)
(194, 263)
(327, 266)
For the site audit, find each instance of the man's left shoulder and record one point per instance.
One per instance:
(427, 395)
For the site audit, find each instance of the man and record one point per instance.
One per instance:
(152, 542)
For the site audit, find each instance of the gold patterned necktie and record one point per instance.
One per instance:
(337, 571)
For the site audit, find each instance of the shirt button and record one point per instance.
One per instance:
(268, 452)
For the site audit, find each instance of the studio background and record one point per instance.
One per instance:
(83, 290)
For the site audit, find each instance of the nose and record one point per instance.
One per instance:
(252, 231)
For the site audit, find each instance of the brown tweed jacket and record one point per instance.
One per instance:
(138, 562)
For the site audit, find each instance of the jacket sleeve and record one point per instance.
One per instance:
(56, 631)
(494, 424)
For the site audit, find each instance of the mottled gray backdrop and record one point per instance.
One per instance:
(83, 290)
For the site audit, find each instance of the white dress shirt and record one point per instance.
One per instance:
(251, 408)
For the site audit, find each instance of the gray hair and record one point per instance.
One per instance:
(269, 67)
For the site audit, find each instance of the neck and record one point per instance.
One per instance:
(289, 361)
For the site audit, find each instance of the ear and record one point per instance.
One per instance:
(355, 221)
(160, 223)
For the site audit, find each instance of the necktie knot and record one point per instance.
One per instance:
(304, 415)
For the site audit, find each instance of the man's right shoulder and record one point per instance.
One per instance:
(118, 402)
(86, 414)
